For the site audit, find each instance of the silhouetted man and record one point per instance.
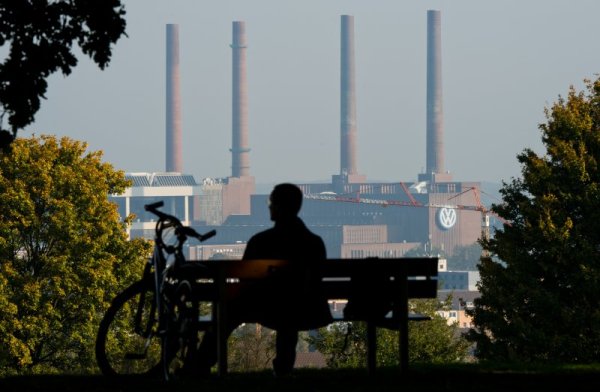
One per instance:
(289, 301)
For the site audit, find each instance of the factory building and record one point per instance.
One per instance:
(179, 192)
(356, 218)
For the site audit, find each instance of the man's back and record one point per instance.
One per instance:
(290, 240)
(291, 298)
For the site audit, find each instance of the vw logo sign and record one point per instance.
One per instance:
(446, 218)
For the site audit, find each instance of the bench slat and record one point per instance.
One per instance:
(399, 266)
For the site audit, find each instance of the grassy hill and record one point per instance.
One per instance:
(421, 378)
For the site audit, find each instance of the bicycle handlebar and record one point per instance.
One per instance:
(190, 232)
(185, 230)
(208, 235)
(152, 207)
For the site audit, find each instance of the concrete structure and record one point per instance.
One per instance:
(348, 213)
(225, 197)
(216, 252)
(174, 155)
(381, 250)
(459, 280)
(435, 170)
(435, 112)
(236, 190)
(348, 160)
(360, 241)
(211, 202)
(179, 192)
(240, 157)
(431, 217)
(236, 196)
(442, 264)
(205, 204)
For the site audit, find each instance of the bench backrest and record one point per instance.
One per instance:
(383, 277)
(340, 277)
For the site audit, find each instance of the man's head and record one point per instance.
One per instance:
(285, 201)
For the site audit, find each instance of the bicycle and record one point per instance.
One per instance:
(151, 328)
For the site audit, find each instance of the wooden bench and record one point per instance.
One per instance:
(395, 280)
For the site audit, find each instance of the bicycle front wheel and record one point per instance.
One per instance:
(127, 342)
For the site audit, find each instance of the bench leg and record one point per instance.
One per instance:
(403, 338)
(221, 325)
(371, 347)
(404, 346)
(221, 342)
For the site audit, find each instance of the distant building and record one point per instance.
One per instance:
(462, 300)
(195, 204)
(459, 280)
(440, 216)
(378, 220)
(354, 217)
(222, 251)
(179, 192)
(211, 204)
(442, 264)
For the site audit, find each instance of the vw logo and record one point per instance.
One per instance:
(447, 217)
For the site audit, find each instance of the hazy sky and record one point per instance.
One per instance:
(503, 62)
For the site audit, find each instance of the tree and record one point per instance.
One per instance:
(64, 253)
(540, 296)
(41, 34)
(251, 348)
(434, 341)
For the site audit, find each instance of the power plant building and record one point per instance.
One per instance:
(356, 218)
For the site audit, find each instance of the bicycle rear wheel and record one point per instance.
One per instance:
(128, 341)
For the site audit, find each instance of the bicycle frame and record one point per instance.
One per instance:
(147, 331)
(162, 267)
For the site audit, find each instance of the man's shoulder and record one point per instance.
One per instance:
(265, 234)
(314, 237)
(261, 238)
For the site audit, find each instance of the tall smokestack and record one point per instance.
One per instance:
(435, 115)
(240, 153)
(174, 156)
(348, 171)
(348, 99)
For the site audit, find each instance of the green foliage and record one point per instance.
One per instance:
(434, 341)
(64, 253)
(251, 348)
(41, 34)
(540, 296)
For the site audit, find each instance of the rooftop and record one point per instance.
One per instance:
(161, 179)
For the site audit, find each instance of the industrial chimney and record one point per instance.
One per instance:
(435, 115)
(347, 97)
(240, 157)
(174, 156)
(348, 166)
(235, 197)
